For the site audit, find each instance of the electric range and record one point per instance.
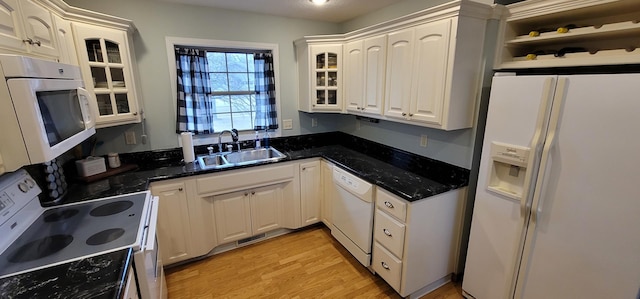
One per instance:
(36, 237)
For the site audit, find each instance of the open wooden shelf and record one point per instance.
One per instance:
(607, 31)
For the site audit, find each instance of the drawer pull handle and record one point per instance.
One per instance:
(388, 204)
(386, 232)
(384, 265)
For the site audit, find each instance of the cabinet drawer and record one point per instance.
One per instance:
(391, 204)
(245, 178)
(387, 266)
(389, 233)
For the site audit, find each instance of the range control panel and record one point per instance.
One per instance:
(17, 189)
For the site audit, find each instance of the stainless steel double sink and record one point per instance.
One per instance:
(243, 157)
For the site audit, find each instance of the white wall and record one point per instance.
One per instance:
(156, 20)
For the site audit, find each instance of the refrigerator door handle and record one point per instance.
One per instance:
(537, 143)
(550, 142)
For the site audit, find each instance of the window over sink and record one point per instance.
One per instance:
(232, 87)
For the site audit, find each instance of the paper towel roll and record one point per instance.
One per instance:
(187, 147)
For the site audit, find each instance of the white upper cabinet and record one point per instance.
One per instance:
(429, 72)
(108, 72)
(433, 71)
(399, 66)
(27, 27)
(364, 69)
(422, 69)
(320, 67)
(66, 44)
(353, 75)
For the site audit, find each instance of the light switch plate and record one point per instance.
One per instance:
(287, 124)
(423, 141)
(130, 137)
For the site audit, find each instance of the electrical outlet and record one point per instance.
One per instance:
(314, 122)
(287, 124)
(130, 137)
(423, 141)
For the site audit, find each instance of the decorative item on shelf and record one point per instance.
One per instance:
(535, 54)
(566, 50)
(565, 29)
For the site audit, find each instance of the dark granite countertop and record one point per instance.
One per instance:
(407, 175)
(99, 277)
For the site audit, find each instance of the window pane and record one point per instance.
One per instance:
(222, 122)
(238, 82)
(219, 82)
(221, 105)
(250, 63)
(252, 81)
(241, 103)
(217, 62)
(237, 62)
(243, 121)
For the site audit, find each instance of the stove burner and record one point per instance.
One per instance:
(105, 236)
(111, 208)
(60, 215)
(40, 248)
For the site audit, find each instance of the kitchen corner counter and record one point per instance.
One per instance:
(100, 277)
(406, 175)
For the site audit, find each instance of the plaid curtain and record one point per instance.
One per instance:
(195, 106)
(266, 115)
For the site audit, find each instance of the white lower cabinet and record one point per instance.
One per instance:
(174, 228)
(310, 192)
(416, 244)
(242, 214)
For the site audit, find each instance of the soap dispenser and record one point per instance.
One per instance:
(257, 140)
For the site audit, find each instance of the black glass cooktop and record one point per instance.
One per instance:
(68, 232)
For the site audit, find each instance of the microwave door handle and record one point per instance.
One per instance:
(152, 225)
(84, 96)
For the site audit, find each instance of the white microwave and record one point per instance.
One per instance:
(44, 110)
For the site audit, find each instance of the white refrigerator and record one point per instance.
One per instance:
(557, 207)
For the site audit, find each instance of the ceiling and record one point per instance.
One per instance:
(336, 11)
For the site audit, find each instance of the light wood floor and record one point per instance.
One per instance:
(304, 264)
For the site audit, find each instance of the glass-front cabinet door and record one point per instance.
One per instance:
(107, 71)
(326, 86)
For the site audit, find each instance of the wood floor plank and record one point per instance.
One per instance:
(304, 264)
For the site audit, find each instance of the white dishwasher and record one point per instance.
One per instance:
(353, 207)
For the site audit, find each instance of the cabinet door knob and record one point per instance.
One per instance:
(37, 43)
(28, 41)
(388, 204)
(135, 113)
(410, 114)
(246, 194)
(384, 265)
(304, 168)
(386, 232)
(180, 189)
(404, 114)
(253, 192)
